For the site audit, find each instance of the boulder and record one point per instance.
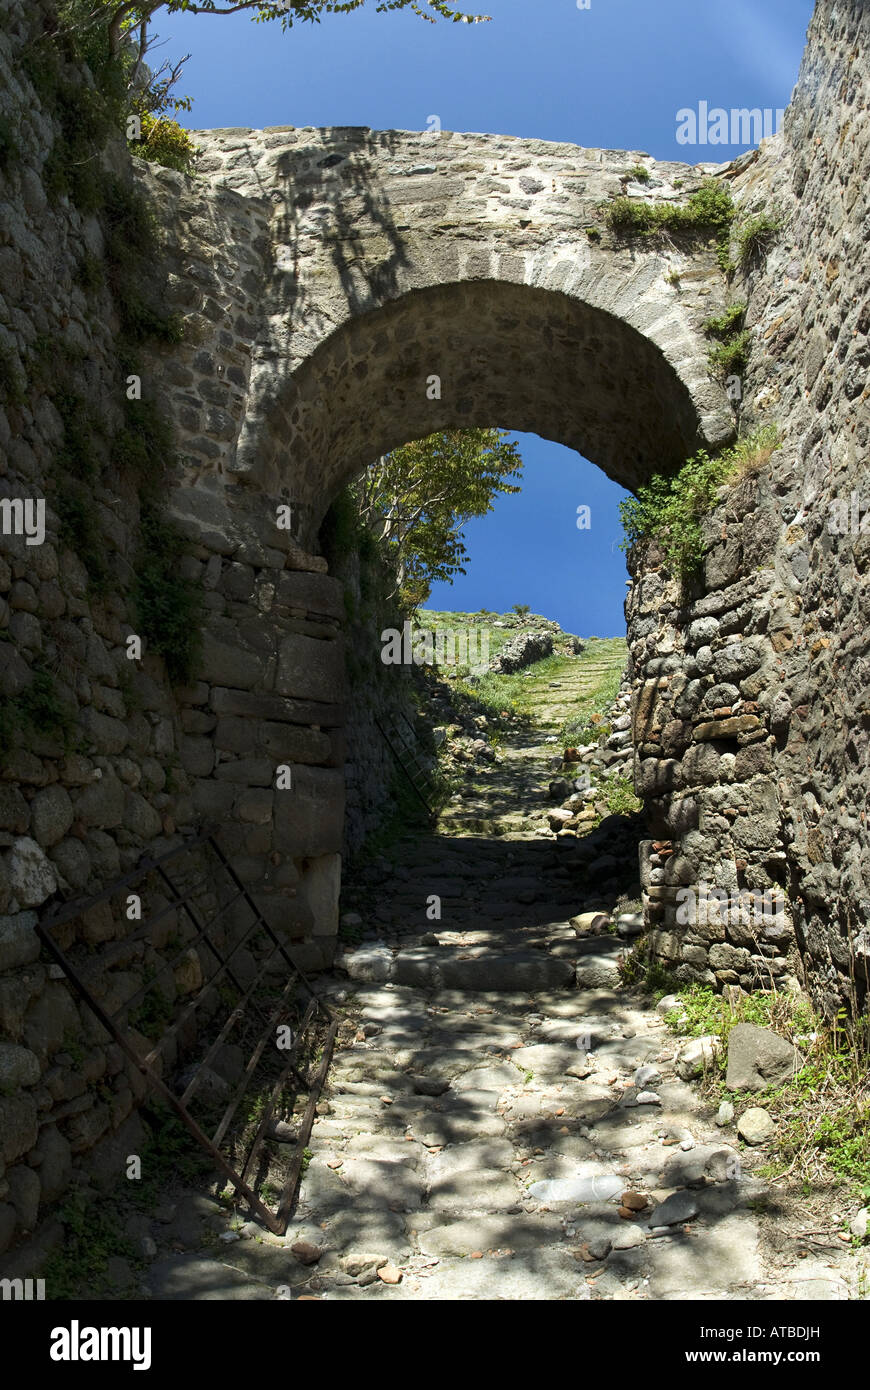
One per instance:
(860, 1223)
(18, 1067)
(696, 1055)
(758, 1058)
(590, 923)
(674, 1210)
(31, 875)
(756, 1126)
(369, 964)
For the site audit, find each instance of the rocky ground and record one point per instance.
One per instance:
(503, 1119)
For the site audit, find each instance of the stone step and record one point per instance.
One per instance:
(469, 969)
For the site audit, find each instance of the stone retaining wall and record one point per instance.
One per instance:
(751, 701)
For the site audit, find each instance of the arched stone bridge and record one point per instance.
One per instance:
(386, 258)
(346, 291)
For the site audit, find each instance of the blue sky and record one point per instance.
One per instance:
(612, 76)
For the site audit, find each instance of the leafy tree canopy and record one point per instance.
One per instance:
(417, 499)
(119, 16)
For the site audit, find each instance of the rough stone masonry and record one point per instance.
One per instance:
(342, 292)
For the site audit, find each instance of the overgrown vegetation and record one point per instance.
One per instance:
(36, 710)
(822, 1114)
(619, 794)
(709, 211)
(92, 1236)
(168, 606)
(80, 530)
(755, 235)
(731, 357)
(87, 115)
(670, 510)
(163, 141)
(734, 341)
(722, 326)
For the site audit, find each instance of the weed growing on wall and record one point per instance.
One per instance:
(710, 211)
(755, 235)
(731, 354)
(670, 510)
(36, 710)
(164, 141)
(88, 115)
(168, 607)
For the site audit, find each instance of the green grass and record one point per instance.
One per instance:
(494, 694)
(822, 1114)
(93, 1234)
(703, 1011)
(619, 794)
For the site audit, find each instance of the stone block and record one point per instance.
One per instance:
(310, 668)
(309, 816)
(19, 1067)
(319, 890)
(227, 660)
(101, 804)
(315, 593)
(18, 1126)
(31, 875)
(51, 812)
(19, 944)
(758, 1058)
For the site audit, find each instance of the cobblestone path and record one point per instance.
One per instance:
(503, 1120)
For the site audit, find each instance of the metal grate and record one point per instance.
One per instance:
(401, 739)
(234, 999)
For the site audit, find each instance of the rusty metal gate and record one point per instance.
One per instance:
(232, 957)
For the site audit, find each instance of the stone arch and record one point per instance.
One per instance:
(523, 357)
(360, 244)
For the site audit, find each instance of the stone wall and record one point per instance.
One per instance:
(75, 811)
(751, 700)
(381, 695)
(102, 757)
